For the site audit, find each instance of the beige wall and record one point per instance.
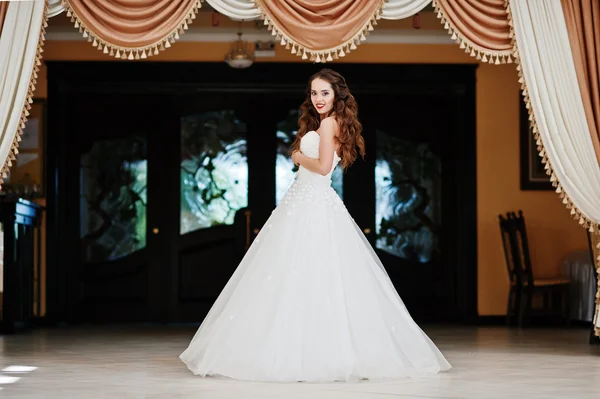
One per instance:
(552, 232)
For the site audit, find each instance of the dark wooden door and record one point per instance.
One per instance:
(173, 155)
(404, 195)
(221, 193)
(154, 192)
(113, 167)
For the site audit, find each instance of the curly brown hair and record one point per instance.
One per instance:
(345, 111)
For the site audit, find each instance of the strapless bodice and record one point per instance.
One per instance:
(309, 145)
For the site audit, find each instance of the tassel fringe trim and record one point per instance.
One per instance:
(483, 55)
(596, 241)
(321, 56)
(133, 53)
(583, 220)
(14, 150)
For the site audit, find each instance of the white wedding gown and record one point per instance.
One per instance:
(311, 301)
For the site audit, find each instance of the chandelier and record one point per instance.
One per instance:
(241, 54)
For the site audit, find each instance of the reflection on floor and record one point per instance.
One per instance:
(142, 362)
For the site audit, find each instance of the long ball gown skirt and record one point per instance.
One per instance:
(311, 301)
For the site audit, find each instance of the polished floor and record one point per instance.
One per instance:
(142, 362)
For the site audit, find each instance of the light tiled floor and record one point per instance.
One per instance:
(142, 362)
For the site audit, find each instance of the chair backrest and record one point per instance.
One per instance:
(505, 232)
(516, 248)
(522, 247)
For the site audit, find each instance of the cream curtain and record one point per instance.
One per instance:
(236, 9)
(552, 94)
(248, 10)
(21, 40)
(400, 9)
(557, 112)
(55, 7)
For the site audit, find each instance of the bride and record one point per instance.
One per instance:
(311, 301)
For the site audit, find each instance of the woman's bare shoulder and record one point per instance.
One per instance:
(329, 126)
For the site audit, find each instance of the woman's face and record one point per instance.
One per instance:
(322, 96)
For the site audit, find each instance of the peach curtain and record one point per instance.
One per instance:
(132, 29)
(321, 30)
(584, 37)
(3, 8)
(479, 26)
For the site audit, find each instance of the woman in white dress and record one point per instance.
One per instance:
(311, 301)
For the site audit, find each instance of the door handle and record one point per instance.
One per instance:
(367, 231)
(155, 230)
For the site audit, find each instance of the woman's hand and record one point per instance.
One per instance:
(295, 156)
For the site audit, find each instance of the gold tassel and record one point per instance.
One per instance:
(492, 58)
(140, 53)
(325, 55)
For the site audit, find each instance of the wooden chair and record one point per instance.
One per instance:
(514, 295)
(523, 284)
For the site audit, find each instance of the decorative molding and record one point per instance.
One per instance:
(228, 35)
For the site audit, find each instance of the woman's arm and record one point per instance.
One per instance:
(321, 165)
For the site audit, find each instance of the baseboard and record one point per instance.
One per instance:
(536, 321)
(491, 320)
